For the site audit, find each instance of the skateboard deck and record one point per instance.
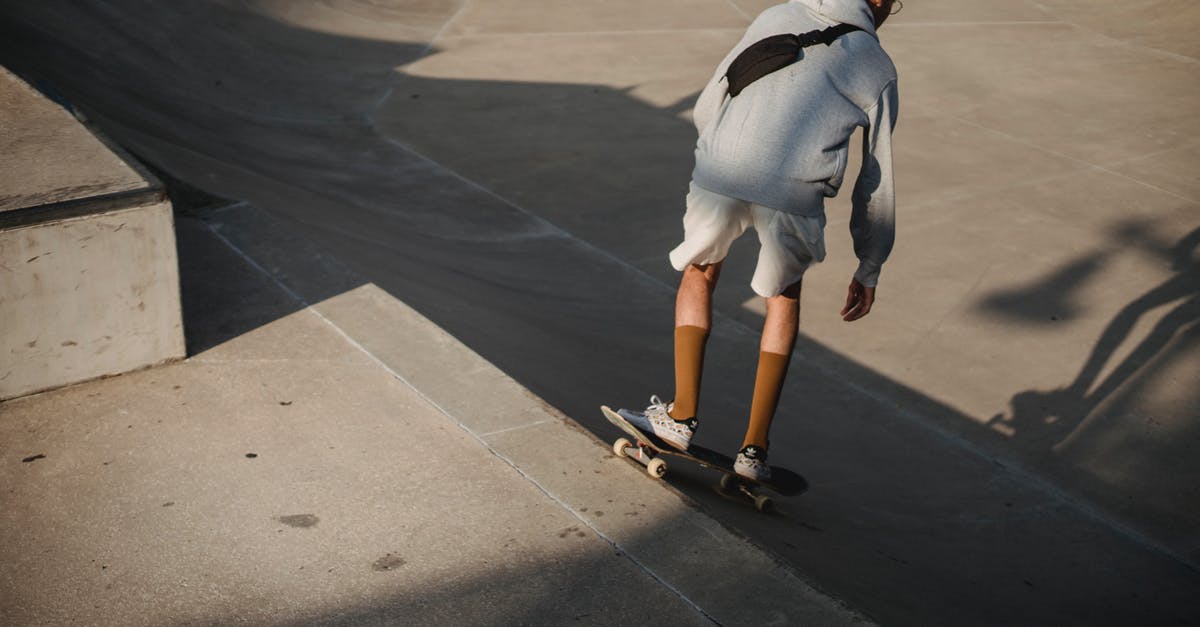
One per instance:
(648, 449)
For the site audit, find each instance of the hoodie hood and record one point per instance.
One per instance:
(854, 12)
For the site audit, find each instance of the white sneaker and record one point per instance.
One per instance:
(656, 420)
(751, 463)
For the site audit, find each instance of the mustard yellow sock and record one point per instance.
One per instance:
(768, 383)
(689, 363)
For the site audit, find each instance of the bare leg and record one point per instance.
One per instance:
(693, 319)
(782, 322)
(775, 352)
(693, 302)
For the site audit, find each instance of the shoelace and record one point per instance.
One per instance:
(656, 402)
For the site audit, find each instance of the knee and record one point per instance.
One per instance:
(705, 274)
(789, 293)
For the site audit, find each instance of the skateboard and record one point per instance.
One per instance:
(648, 450)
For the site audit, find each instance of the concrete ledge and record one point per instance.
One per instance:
(86, 297)
(89, 281)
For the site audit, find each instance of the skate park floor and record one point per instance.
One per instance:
(1010, 437)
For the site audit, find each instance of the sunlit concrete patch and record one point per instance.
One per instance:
(1170, 170)
(1055, 90)
(957, 12)
(751, 8)
(948, 158)
(297, 336)
(388, 20)
(658, 68)
(276, 491)
(1167, 25)
(516, 16)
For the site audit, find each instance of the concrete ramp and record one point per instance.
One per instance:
(1010, 438)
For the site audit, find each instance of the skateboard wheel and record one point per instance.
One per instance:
(763, 503)
(620, 445)
(727, 482)
(656, 468)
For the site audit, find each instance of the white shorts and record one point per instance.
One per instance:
(790, 243)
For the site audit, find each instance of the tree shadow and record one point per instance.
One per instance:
(1053, 417)
(1050, 300)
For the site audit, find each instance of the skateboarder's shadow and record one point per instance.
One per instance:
(1055, 417)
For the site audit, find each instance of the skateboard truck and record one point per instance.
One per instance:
(648, 450)
(639, 452)
(730, 486)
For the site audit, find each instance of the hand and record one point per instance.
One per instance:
(858, 301)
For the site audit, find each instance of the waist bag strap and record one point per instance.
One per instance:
(775, 53)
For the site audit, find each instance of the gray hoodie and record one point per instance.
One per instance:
(784, 141)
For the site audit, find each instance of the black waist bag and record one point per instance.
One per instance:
(775, 53)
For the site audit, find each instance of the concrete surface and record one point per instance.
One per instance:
(294, 475)
(1009, 438)
(1048, 220)
(89, 284)
(88, 296)
(47, 157)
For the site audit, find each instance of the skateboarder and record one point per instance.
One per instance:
(768, 155)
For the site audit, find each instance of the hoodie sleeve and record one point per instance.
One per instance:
(873, 219)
